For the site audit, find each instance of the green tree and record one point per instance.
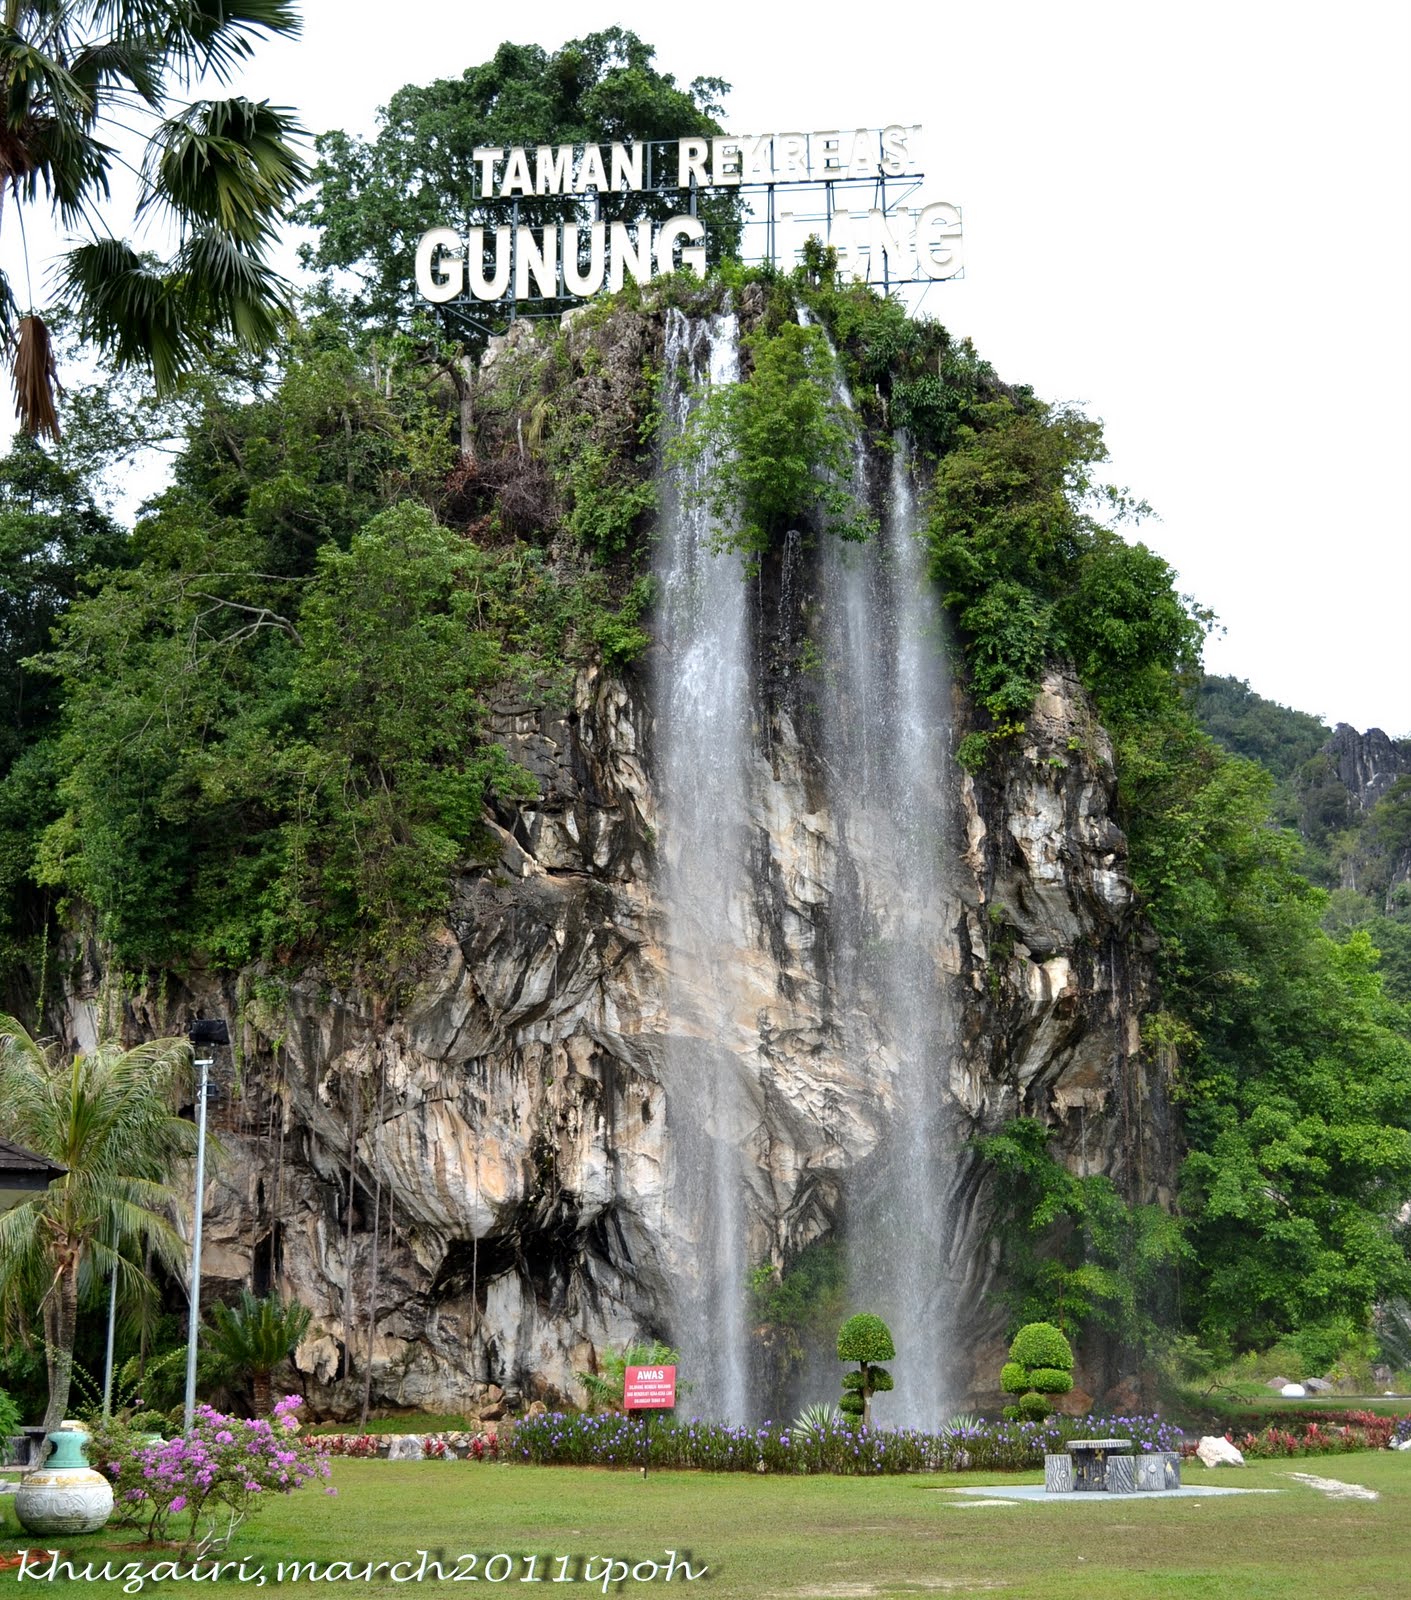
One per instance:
(1291, 1066)
(779, 448)
(1040, 1365)
(107, 1117)
(1074, 1252)
(374, 199)
(74, 71)
(51, 536)
(866, 1339)
(252, 1337)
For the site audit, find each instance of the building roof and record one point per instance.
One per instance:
(24, 1174)
(15, 1158)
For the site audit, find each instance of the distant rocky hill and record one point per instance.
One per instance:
(1348, 794)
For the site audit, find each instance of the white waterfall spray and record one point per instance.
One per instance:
(704, 749)
(885, 755)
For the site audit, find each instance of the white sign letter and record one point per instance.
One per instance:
(541, 260)
(517, 179)
(627, 166)
(440, 280)
(725, 161)
(591, 281)
(892, 237)
(485, 158)
(691, 161)
(591, 174)
(553, 169)
(626, 252)
(692, 255)
(491, 288)
(938, 241)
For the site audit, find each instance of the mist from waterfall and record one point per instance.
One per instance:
(885, 753)
(704, 743)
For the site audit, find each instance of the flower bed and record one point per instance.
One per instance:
(1332, 1434)
(453, 1446)
(559, 1439)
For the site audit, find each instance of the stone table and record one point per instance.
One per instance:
(1103, 1465)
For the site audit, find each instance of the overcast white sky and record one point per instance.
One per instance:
(1191, 219)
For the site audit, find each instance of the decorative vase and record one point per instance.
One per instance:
(65, 1495)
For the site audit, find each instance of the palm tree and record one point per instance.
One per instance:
(254, 1335)
(72, 74)
(107, 1117)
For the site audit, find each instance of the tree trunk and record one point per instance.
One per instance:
(60, 1323)
(264, 1403)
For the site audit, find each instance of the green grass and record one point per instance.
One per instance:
(775, 1538)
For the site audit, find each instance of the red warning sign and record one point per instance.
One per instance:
(649, 1388)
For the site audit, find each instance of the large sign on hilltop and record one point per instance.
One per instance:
(857, 190)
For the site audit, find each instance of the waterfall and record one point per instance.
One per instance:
(704, 715)
(884, 753)
(878, 742)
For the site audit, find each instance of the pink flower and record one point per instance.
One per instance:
(179, 1504)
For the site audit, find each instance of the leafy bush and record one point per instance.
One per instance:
(9, 1416)
(1040, 1364)
(780, 446)
(865, 1338)
(1040, 1344)
(223, 1466)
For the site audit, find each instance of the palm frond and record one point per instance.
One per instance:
(226, 164)
(231, 290)
(130, 308)
(255, 1335)
(215, 36)
(121, 63)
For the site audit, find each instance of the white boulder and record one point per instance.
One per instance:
(1294, 1391)
(1216, 1452)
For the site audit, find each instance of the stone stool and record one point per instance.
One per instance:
(1058, 1474)
(1159, 1471)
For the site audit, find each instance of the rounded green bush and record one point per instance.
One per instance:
(1050, 1380)
(1033, 1407)
(1014, 1377)
(881, 1380)
(865, 1338)
(1012, 1414)
(855, 1381)
(1040, 1344)
(851, 1404)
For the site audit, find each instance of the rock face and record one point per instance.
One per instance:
(1368, 763)
(510, 1129)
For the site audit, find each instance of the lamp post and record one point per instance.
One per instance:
(209, 1034)
(112, 1319)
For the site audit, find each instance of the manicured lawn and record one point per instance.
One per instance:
(815, 1538)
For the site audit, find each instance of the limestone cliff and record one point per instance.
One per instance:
(514, 1113)
(785, 976)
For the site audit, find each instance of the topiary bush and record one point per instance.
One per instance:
(1040, 1364)
(866, 1339)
